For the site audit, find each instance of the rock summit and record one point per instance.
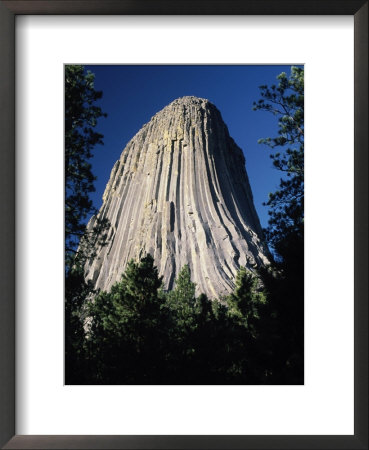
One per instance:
(180, 192)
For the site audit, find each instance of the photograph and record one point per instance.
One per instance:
(160, 285)
(184, 224)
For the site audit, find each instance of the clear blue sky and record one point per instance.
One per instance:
(133, 94)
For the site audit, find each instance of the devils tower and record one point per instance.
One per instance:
(180, 192)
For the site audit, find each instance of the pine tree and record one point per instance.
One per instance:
(81, 115)
(286, 102)
(126, 336)
(283, 319)
(245, 301)
(181, 300)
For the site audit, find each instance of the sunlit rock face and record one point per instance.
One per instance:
(180, 192)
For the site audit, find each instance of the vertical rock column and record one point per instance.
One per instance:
(180, 192)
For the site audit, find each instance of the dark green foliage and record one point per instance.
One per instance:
(282, 323)
(81, 115)
(126, 333)
(181, 300)
(76, 292)
(245, 301)
(282, 332)
(137, 334)
(140, 335)
(286, 101)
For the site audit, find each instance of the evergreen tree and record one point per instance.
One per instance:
(286, 101)
(243, 314)
(139, 335)
(245, 301)
(181, 300)
(77, 291)
(81, 116)
(282, 335)
(126, 336)
(181, 326)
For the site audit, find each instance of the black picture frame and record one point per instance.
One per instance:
(8, 12)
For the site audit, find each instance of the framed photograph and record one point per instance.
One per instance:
(214, 358)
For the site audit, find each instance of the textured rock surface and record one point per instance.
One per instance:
(181, 193)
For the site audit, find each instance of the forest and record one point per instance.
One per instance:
(139, 334)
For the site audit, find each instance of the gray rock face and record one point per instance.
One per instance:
(180, 192)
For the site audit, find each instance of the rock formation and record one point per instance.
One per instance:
(180, 192)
